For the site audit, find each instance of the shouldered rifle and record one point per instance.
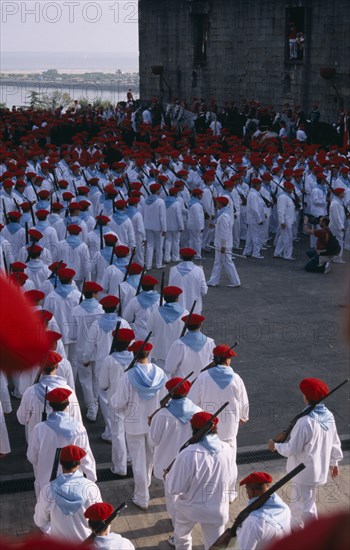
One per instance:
(102, 525)
(219, 180)
(32, 213)
(82, 293)
(213, 364)
(101, 231)
(26, 230)
(188, 318)
(112, 256)
(281, 438)
(120, 302)
(144, 186)
(127, 183)
(199, 434)
(30, 251)
(165, 400)
(138, 353)
(115, 336)
(44, 413)
(138, 290)
(5, 262)
(224, 540)
(164, 188)
(268, 203)
(54, 272)
(243, 198)
(16, 204)
(55, 464)
(75, 187)
(162, 289)
(129, 264)
(35, 191)
(7, 221)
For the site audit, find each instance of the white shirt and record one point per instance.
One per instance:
(193, 285)
(154, 216)
(181, 359)
(62, 309)
(163, 334)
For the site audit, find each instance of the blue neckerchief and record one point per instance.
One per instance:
(49, 382)
(53, 218)
(147, 298)
(120, 217)
(105, 229)
(89, 305)
(169, 200)
(224, 210)
(183, 409)
(74, 241)
(13, 227)
(64, 290)
(185, 267)
(273, 511)
(322, 188)
(211, 443)
(84, 216)
(121, 263)
(322, 415)
(108, 321)
(42, 205)
(222, 375)
(93, 172)
(69, 492)
(151, 199)
(131, 211)
(147, 385)
(133, 280)
(42, 225)
(194, 340)
(123, 357)
(171, 312)
(193, 201)
(35, 265)
(63, 424)
(26, 218)
(72, 219)
(106, 253)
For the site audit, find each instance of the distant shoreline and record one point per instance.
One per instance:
(54, 85)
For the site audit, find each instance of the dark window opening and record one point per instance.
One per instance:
(295, 34)
(200, 33)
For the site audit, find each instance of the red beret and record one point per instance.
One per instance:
(54, 336)
(197, 191)
(288, 172)
(195, 319)
(313, 388)
(98, 511)
(102, 220)
(58, 395)
(84, 205)
(133, 200)
(162, 178)
(8, 183)
(109, 301)
(288, 185)
(65, 274)
(19, 277)
(174, 190)
(266, 176)
(34, 295)
(25, 206)
(110, 238)
(53, 266)
(14, 215)
(39, 178)
(256, 478)
(93, 181)
(53, 358)
(91, 286)
(111, 190)
(44, 164)
(199, 419)
(183, 389)
(135, 269)
(35, 233)
(136, 185)
(223, 351)
(172, 291)
(338, 191)
(255, 181)
(71, 453)
(18, 266)
(74, 206)
(125, 335)
(121, 204)
(135, 346)
(63, 184)
(83, 190)
(155, 187)
(34, 249)
(182, 173)
(121, 251)
(222, 200)
(187, 252)
(74, 229)
(67, 196)
(45, 315)
(43, 194)
(42, 214)
(148, 280)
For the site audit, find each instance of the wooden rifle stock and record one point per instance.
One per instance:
(199, 434)
(55, 464)
(224, 540)
(102, 525)
(115, 337)
(281, 438)
(189, 316)
(165, 400)
(137, 354)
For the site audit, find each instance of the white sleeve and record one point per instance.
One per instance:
(42, 509)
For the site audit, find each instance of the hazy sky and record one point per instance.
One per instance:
(69, 25)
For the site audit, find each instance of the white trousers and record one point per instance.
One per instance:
(195, 241)
(119, 451)
(183, 527)
(302, 505)
(243, 224)
(284, 245)
(254, 240)
(89, 384)
(71, 355)
(154, 241)
(224, 261)
(236, 231)
(141, 453)
(139, 257)
(171, 246)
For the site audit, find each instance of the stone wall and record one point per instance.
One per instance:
(247, 52)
